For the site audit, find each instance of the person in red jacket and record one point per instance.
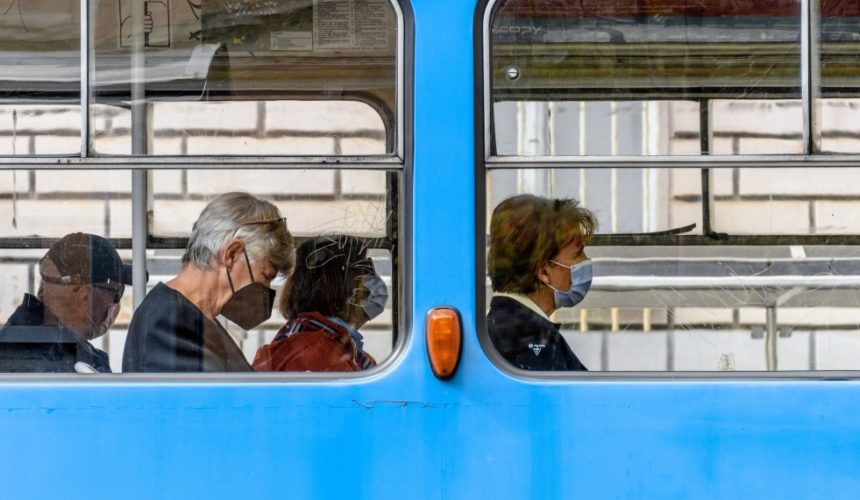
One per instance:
(332, 293)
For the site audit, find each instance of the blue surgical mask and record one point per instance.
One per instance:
(375, 302)
(580, 282)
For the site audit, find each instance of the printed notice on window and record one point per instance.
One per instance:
(333, 25)
(351, 25)
(292, 40)
(371, 25)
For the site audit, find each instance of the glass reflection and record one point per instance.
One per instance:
(82, 280)
(701, 303)
(744, 201)
(316, 202)
(646, 78)
(838, 107)
(285, 77)
(719, 309)
(40, 77)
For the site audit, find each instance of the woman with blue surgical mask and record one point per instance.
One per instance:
(332, 293)
(537, 264)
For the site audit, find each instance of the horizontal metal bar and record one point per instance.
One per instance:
(127, 195)
(257, 379)
(722, 239)
(733, 161)
(202, 162)
(630, 283)
(154, 242)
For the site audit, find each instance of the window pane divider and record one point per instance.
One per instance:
(734, 161)
(806, 62)
(85, 78)
(153, 242)
(139, 230)
(208, 162)
(725, 240)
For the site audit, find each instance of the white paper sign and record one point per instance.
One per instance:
(292, 40)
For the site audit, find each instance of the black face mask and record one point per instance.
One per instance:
(251, 305)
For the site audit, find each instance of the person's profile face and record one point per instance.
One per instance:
(264, 272)
(245, 271)
(571, 254)
(104, 308)
(361, 268)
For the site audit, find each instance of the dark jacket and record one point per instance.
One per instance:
(168, 333)
(527, 340)
(311, 342)
(47, 356)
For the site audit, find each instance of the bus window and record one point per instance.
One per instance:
(341, 205)
(653, 78)
(65, 282)
(291, 78)
(40, 83)
(712, 263)
(329, 204)
(837, 102)
(271, 95)
(295, 128)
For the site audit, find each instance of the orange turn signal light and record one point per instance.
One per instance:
(444, 340)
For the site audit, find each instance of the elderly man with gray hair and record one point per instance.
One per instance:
(237, 247)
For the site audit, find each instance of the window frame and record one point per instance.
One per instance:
(809, 82)
(486, 162)
(397, 164)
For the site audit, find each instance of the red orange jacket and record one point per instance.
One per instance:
(312, 342)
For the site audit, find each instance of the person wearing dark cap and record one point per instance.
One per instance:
(82, 283)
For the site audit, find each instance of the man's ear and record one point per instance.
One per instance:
(231, 252)
(84, 293)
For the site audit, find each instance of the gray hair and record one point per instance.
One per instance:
(234, 215)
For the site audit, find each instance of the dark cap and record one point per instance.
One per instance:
(83, 258)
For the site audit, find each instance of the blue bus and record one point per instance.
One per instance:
(715, 143)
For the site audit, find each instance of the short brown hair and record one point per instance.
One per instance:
(526, 231)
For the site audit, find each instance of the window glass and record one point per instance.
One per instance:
(40, 80)
(378, 335)
(743, 201)
(705, 269)
(314, 201)
(645, 78)
(718, 309)
(837, 104)
(346, 282)
(51, 203)
(65, 244)
(751, 297)
(295, 77)
(347, 214)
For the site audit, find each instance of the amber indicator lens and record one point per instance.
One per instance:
(444, 340)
